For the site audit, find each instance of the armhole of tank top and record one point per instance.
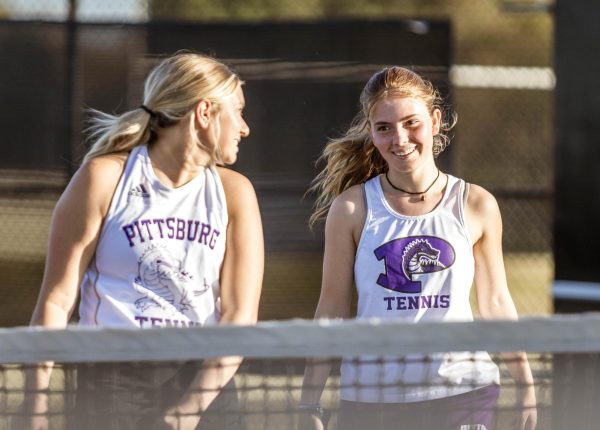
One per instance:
(119, 186)
(462, 210)
(465, 195)
(364, 196)
(214, 171)
(363, 188)
(95, 270)
(94, 289)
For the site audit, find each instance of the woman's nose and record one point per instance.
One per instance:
(400, 136)
(245, 129)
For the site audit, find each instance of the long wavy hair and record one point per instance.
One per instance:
(171, 92)
(352, 158)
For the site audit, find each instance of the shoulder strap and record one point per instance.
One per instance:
(364, 194)
(466, 194)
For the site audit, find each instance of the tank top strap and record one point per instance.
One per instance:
(127, 178)
(136, 153)
(373, 195)
(141, 150)
(454, 199)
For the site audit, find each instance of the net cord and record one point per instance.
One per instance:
(299, 338)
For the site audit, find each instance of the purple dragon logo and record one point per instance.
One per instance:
(410, 256)
(164, 283)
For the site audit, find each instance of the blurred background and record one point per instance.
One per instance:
(304, 63)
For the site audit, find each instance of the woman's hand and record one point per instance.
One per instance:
(309, 421)
(180, 417)
(32, 414)
(30, 422)
(526, 403)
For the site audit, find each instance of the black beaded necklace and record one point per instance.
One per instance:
(421, 193)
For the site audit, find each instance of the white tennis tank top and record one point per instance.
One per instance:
(415, 268)
(160, 251)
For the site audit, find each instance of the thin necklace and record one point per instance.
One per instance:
(421, 193)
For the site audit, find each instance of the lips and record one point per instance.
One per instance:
(405, 153)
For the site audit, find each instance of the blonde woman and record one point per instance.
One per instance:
(412, 239)
(154, 232)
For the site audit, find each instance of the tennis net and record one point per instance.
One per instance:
(117, 377)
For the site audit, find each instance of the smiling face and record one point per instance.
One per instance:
(230, 125)
(402, 130)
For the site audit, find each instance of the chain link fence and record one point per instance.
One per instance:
(494, 59)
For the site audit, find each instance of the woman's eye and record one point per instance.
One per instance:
(382, 128)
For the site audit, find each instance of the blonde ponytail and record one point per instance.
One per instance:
(171, 91)
(349, 160)
(116, 133)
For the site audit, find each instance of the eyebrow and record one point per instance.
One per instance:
(401, 119)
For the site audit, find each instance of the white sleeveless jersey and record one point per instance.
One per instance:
(160, 251)
(415, 268)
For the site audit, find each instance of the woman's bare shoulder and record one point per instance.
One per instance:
(239, 191)
(234, 182)
(103, 163)
(97, 178)
(480, 201)
(348, 211)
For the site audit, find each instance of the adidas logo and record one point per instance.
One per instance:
(139, 191)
